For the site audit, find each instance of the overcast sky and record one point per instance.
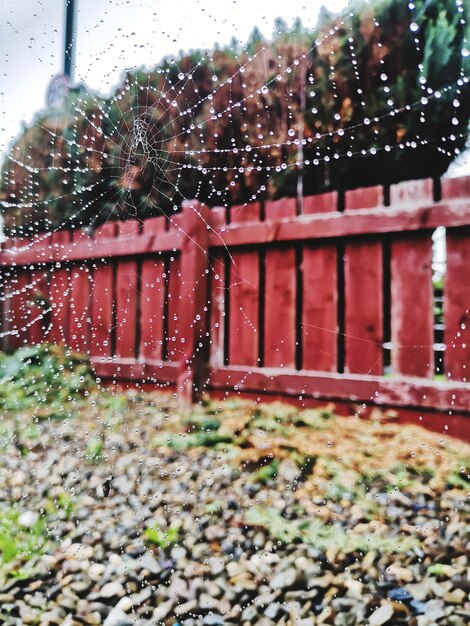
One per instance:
(113, 35)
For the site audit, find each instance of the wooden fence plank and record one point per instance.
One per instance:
(59, 294)
(457, 305)
(244, 295)
(399, 392)
(322, 203)
(38, 317)
(363, 307)
(19, 309)
(363, 198)
(102, 308)
(217, 309)
(126, 296)
(377, 221)
(249, 212)
(192, 342)
(152, 307)
(412, 326)
(8, 279)
(280, 295)
(244, 308)
(80, 288)
(319, 308)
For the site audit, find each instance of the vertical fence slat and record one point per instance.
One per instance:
(152, 308)
(323, 203)
(37, 315)
(244, 296)
(193, 291)
(412, 323)
(173, 271)
(280, 295)
(244, 308)
(79, 328)
(19, 312)
(217, 309)
(8, 287)
(102, 299)
(39, 298)
(363, 307)
(59, 293)
(249, 212)
(457, 305)
(319, 308)
(217, 312)
(126, 296)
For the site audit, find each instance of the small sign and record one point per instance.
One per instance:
(57, 91)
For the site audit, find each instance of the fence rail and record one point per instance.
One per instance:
(333, 299)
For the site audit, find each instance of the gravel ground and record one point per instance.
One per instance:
(133, 512)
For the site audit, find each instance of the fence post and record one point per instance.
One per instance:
(193, 305)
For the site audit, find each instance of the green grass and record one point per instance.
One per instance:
(17, 541)
(324, 536)
(157, 537)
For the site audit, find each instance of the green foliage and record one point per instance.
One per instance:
(183, 441)
(265, 473)
(324, 536)
(346, 111)
(162, 539)
(94, 450)
(44, 378)
(17, 541)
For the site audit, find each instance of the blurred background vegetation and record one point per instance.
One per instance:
(361, 87)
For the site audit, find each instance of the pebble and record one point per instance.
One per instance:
(218, 570)
(381, 615)
(284, 579)
(117, 617)
(111, 590)
(28, 519)
(79, 552)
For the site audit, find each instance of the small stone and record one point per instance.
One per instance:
(284, 579)
(273, 610)
(355, 589)
(148, 562)
(18, 479)
(381, 615)
(434, 609)
(213, 619)
(216, 565)
(125, 604)
(6, 598)
(249, 614)
(186, 607)
(28, 519)
(206, 602)
(162, 610)
(96, 571)
(79, 552)
(456, 596)
(288, 470)
(112, 590)
(117, 617)
(400, 594)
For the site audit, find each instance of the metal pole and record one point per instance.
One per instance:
(69, 42)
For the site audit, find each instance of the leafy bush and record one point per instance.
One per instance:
(45, 379)
(347, 110)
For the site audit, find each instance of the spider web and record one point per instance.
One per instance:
(150, 144)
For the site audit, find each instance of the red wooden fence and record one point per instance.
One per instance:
(265, 298)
